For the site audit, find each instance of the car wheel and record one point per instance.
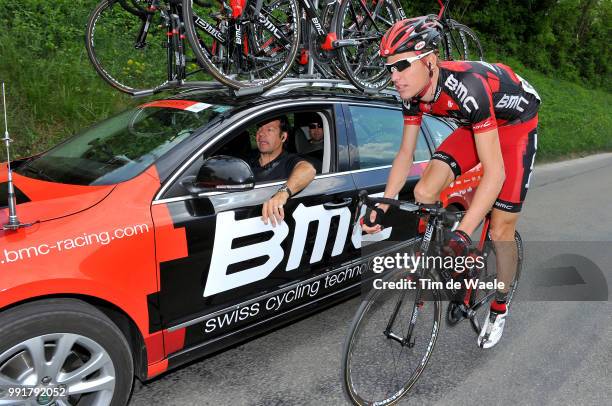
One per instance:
(65, 344)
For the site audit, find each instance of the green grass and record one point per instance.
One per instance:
(50, 99)
(574, 120)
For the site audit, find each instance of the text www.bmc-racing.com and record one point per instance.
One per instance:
(85, 240)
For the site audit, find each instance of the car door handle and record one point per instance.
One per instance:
(345, 202)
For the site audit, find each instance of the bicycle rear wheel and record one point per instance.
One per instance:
(376, 368)
(112, 44)
(364, 24)
(460, 43)
(245, 52)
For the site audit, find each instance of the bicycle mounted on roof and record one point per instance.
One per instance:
(250, 45)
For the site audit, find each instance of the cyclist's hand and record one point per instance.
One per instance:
(457, 243)
(375, 225)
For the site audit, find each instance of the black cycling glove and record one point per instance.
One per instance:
(458, 243)
(380, 214)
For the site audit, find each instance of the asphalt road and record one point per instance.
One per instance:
(553, 352)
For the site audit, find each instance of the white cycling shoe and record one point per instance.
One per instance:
(492, 330)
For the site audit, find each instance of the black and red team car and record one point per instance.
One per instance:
(143, 252)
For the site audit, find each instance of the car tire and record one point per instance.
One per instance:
(83, 350)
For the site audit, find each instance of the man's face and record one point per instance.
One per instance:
(269, 137)
(410, 81)
(316, 131)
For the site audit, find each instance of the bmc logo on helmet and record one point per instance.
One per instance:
(461, 92)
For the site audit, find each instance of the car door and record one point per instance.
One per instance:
(375, 133)
(231, 271)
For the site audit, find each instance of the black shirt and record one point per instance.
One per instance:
(277, 169)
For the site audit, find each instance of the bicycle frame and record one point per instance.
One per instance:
(439, 219)
(328, 39)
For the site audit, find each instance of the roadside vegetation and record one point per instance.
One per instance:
(560, 47)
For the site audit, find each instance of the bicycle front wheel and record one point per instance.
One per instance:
(391, 340)
(460, 43)
(127, 47)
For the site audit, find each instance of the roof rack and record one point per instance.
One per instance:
(284, 86)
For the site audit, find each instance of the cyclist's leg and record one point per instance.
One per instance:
(518, 144)
(501, 230)
(457, 154)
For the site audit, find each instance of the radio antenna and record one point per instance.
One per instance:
(13, 223)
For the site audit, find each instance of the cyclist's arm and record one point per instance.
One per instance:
(481, 113)
(490, 155)
(399, 170)
(402, 162)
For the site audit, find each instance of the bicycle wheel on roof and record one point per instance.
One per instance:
(127, 46)
(361, 25)
(460, 43)
(241, 49)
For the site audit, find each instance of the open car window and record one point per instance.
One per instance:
(379, 134)
(123, 146)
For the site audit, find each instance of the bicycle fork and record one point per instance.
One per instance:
(408, 340)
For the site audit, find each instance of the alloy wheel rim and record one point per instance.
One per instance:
(60, 360)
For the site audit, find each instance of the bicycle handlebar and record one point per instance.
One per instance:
(435, 209)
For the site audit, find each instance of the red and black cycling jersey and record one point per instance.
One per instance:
(479, 95)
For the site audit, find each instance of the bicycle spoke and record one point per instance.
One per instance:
(126, 49)
(365, 25)
(257, 50)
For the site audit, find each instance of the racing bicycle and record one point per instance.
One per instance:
(394, 331)
(255, 43)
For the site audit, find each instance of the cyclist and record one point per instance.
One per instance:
(497, 113)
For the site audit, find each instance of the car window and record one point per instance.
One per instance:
(123, 146)
(242, 144)
(379, 134)
(300, 141)
(438, 129)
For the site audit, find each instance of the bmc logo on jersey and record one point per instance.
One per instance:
(461, 92)
(512, 102)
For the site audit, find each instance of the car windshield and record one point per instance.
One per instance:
(123, 146)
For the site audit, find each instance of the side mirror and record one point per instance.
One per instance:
(221, 173)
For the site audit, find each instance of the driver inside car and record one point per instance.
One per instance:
(274, 162)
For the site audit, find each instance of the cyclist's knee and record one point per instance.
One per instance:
(424, 193)
(502, 227)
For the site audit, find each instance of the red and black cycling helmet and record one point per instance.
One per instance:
(411, 34)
